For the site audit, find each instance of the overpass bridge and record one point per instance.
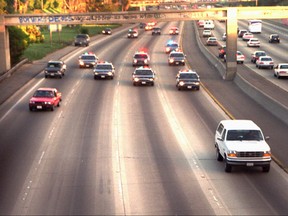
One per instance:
(231, 15)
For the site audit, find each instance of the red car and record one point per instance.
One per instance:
(45, 99)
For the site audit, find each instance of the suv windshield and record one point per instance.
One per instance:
(244, 135)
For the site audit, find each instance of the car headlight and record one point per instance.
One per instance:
(96, 73)
(103, 31)
(81, 62)
(167, 49)
(47, 102)
(32, 102)
(136, 79)
(151, 79)
(110, 73)
(171, 60)
(145, 61)
(135, 60)
(181, 83)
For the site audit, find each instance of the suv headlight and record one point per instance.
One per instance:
(267, 154)
(136, 79)
(232, 154)
(171, 60)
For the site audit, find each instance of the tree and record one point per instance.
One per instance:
(3, 5)
(18, 41)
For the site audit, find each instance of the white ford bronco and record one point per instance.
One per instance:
(241, 143)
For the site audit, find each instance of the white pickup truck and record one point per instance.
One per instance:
(241, 143)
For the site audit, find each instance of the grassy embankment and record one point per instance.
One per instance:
(59, 40)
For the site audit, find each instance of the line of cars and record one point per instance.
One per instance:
(49, 98)
(259, 57)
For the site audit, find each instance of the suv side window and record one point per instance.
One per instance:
(223, 135)
(220, 128)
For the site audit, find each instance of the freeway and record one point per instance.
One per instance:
(113, 148)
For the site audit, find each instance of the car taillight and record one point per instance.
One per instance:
(271, 62)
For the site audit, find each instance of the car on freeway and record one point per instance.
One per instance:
(149, 26)
(82, 40)
(281, 70)
(107, 31)
(224, 36)
(242, 143)
(240, 57)
(265, 62)
(201, 23)
(55, 68)
(246, 36)
(143, 76)
(156, 31)
(174, 31)
(45, 99)
(221, 51)
(87, 59)
(274, 38)
(187, 79)
(241, 32)
(141, 59)
(253, 42)
(255, 55)
(142, 25)
(176, 58)
(132, 33)
(207, 33)
(104, 70)
(171, 46)
(212, 41)
(209, 24)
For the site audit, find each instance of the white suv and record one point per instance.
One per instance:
(241, 143)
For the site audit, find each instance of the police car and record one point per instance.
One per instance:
(87, 59)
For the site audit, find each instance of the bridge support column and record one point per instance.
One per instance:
(231, 44)
(5, 63)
